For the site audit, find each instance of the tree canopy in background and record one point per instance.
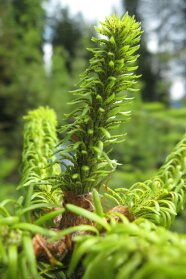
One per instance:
(22, 79)
(163, 22)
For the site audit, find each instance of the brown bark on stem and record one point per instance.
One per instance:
(70, 219)
(56, 251)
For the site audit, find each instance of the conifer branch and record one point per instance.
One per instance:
(162, 197)
(40, 140)
(103, 91)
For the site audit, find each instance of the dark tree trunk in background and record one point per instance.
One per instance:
(165, 20)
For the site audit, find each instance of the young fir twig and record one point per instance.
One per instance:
(158, 199)
(40, 140)
(103, 91)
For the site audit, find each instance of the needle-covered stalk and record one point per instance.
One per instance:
(103, 91)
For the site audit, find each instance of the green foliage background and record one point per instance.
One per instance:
(24, 84)
(138, 249)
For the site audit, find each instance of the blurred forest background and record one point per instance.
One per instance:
(28, 79)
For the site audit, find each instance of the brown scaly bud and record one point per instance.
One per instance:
(51, 252)
(122, 210)
(70, 219)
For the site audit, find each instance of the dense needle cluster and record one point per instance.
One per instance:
(158, 199)
(103, 91)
